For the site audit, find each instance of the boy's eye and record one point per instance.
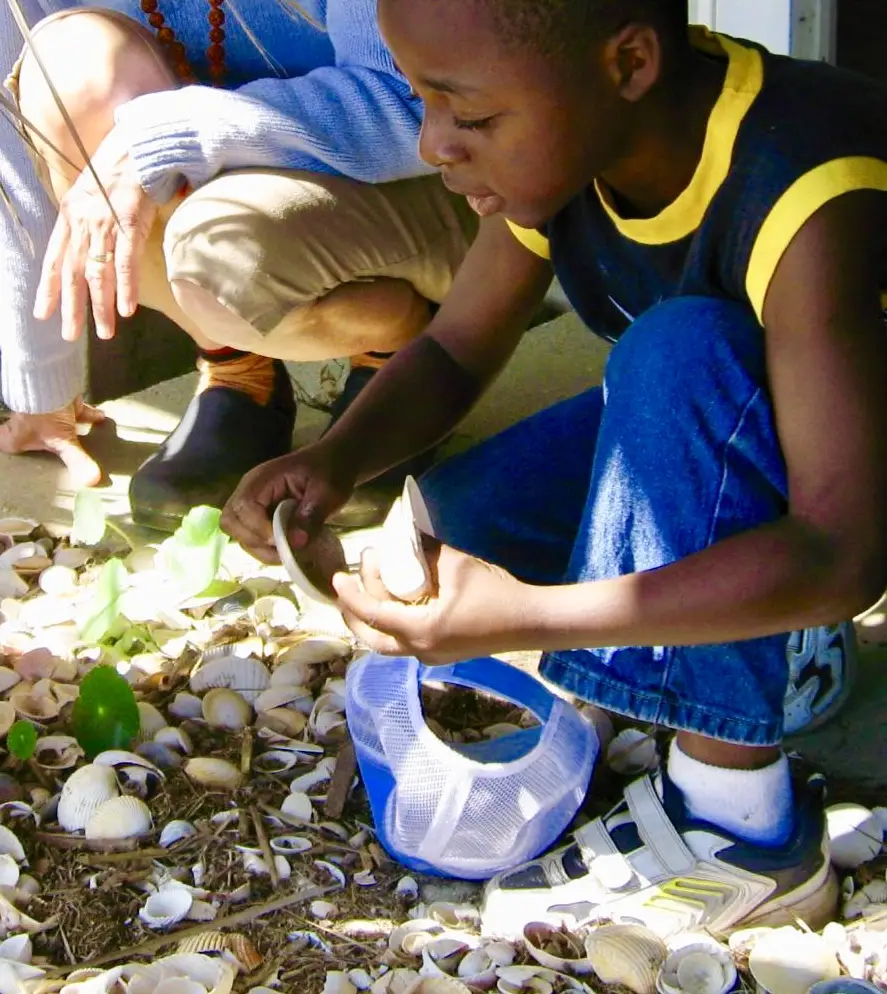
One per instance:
(477, 124)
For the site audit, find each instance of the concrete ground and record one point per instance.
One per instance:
(554, 361)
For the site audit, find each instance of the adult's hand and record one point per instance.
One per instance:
(56, 433)
(477, 609)
(311, 476)
(90, 256)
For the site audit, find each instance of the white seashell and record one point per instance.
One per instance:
(72, 557)
(283, 695)
(160, 755)
(298, 806)
(477, 969)
(186, 706)
(175, 831)
(322, 772)
(361, 979)
(408, 939)
(18, 527)
(570, 956)
(224, 708)
(744, 940)
(11, 584)
(855, 835)
(28, 885)
(876, 891)
(698, 968)
(254, 865)
(438, 985)
(337, 982)
(881, 815)
(57, 752)
(9, 871)
(284, 870)
(166, 907)
(403, 565)
(35, 702)
(311, 651)
(275, 612)
(174, 738)
(150, 721)
(120, 757)
(407, 890)
(334, 871)
(214, 773)
(441, 957)
(17, 948)
(11, 846)
(8, 679)
(395, 982)
(7, 717)
(788, 961)
(275, 761)
(58, 581)
(290, 845)
(86, 790)
(120, 818)
(520, 979)
(630, 955)
(282, 721)
(632, 752)
(835, 934)
(21, 552)
(179, 985)
(291, 673)
(454, 915)
(247, 676)
(322, 909)
(365, 878)
(327, 722)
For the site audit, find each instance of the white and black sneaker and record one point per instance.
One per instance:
(822, 666)
(649, 863)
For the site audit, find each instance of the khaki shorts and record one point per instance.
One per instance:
(265, 242)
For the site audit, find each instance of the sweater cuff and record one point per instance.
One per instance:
(44, 386)
(163, 143)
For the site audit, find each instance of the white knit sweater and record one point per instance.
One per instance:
(329, 100)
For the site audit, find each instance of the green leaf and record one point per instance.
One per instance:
(89, 518)
(21, 740)
(190, 558)
(105, 715)
(105, 612)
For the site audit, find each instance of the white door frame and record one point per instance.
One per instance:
(806, 29)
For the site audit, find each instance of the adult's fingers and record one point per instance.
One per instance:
(48, 289)
(101, 279)
(73, 293)
(128, 262)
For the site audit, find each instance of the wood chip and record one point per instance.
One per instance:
(343, 776)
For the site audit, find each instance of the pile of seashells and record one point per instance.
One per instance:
(222, 801)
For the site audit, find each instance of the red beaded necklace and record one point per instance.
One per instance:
(215, 54)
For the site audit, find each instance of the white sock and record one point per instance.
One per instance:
(756, 805)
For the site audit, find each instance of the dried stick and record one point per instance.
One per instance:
(265, 846)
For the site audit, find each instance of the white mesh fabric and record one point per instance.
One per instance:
(463, 817)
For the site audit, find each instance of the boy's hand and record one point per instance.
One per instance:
(311, 476)
(478, 609)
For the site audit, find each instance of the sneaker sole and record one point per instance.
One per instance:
(815, 909)
(852, 668)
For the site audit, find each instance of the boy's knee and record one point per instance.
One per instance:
(677, 343)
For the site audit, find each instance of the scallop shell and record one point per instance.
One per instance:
(855, 835)
(239, 946)
(275, 612)
(166, 907)
(86, 790)
(632, 752)
(7, 717)
(403, 565)
(788, 961)
(150, 721)
(217, 774)
(57, 752)
(224, 708)
(186, 706)
(247, 676)
(175, 831)
(698, 968)
(11, 584)
(630, 955)
(120, 818)
(174, 738)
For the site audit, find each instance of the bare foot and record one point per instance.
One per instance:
(57, 433)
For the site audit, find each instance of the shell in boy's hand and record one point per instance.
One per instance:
(403, 564)
(311, 568)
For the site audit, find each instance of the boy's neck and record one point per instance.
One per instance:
(668, 146)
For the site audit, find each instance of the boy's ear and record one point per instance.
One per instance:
(633, 60)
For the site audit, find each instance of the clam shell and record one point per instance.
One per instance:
(11, 846)
(120, 818)
(698, 968)
(11, 584)
(285, 721)
(275, 761)
(160, 755)
(437, 985)
(8, 679)
(407, 890)
(298, 806)
(291, 674)
(322, 909)
(186, 706)
(632, 752)
(855, 835)
(247, 676)
(120, 757)
(787, 961)
(57, 752)
(9, 871)
(224, 708)
(38, 664)
(630, 955)
(174, 738)
(276, 612)
(311, 568)
(442, 956)
(395, 982)
(150, 721)
(175, 831)
(403, 565)
(312, 650)
(7, 717)
(282, 695)
(327, 722)
(73, 558)
(166, 907)
(290, 845)
(556, 949)
(218, 774)
(337, 982)
(38, 705)
(18, 527)
(86, 790)
(58, 580)
(18, 553)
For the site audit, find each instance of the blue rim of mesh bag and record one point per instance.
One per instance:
(507, 755)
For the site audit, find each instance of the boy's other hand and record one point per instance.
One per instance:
(310, 476)
(477, 609)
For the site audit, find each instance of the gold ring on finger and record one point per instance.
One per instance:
(103, 258)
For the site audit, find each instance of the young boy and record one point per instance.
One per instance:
(720, 214)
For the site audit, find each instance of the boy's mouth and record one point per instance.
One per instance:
(483, 203)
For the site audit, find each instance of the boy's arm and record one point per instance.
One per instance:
(821, 563)
(420, 395)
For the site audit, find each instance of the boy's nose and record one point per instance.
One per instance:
(437, 147)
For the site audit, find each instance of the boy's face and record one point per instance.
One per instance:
(514, 133)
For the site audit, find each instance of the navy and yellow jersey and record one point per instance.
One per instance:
(784, 138)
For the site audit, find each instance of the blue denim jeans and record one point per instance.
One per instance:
(676, 451)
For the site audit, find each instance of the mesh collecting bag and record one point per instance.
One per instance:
(465, 810)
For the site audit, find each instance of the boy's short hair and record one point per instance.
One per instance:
(553, 27)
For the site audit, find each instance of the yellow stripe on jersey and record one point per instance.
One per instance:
(535, 241)
(794, 209)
